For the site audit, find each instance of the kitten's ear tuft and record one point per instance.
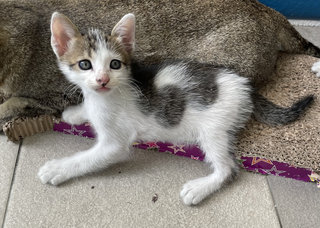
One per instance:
(62, 31)
(125, 32)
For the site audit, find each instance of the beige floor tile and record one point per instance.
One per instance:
(298, 203)
(122, 195)
(8, 156)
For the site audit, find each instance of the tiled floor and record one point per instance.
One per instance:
(298, 203)
(122, 195)
(8, 157)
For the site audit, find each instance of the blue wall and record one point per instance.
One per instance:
(298, 9)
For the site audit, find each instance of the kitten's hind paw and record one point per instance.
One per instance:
(316, 68)
(53, 172)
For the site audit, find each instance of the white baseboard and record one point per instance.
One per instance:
(310, 23)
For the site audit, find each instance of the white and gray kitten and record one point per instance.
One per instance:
(180, 102)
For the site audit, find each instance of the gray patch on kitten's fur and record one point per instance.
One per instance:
(168, 105)
(204, 75)
(169, 102)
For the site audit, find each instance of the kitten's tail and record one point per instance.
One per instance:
(269, 113)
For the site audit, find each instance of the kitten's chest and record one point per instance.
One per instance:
(99, 107)
(109, 113)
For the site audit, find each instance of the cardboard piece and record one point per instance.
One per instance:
(20, 128)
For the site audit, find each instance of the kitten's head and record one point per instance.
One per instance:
(95, 61)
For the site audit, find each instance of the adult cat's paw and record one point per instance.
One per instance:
(54, 172)
(194, 191)
(316, 68)
(73, 115)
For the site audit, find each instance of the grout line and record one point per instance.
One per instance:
(12, 180)
(274, 202)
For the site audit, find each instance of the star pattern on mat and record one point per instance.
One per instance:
(152, 145)
(74, 131)
(257, 160)
(257, 170)
(177, 148)
(274, 170)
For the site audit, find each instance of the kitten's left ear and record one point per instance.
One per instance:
(125, 32)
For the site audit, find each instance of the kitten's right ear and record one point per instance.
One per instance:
(124, 31)
(62, 31)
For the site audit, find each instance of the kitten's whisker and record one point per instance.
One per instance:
(69, 92)
(133, 85)
(124, 92)
(67, 89)
(80, 95)
(122, 95)
(128, 87)
(74, 88)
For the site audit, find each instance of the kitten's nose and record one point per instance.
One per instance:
(103, 80)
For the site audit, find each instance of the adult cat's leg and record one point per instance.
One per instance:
(74, 114)
(2, 98)
(100, 156)
(15, 107)
(217, 150)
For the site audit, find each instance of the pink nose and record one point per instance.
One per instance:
(103, 80)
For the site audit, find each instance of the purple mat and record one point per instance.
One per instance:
(254, 164)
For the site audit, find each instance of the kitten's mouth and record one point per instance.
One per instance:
(103, 89)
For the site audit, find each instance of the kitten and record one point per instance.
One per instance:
(242, 35)
(178, 101)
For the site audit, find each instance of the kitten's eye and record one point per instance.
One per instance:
(85, 64)
(115, 64)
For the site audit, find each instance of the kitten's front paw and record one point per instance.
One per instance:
(73, 115)
(53, 172)
(194, 191)
(316, 68)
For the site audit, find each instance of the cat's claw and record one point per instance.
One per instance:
(53, 172)
(194, 191)
(316, 68)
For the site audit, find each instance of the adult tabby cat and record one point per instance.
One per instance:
(242, 35)
(178, 101)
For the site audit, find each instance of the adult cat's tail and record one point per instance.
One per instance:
(269, 113)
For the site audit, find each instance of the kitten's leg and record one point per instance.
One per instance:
(98, 157)
(217, 151)
(316, 68)
(74, 114)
